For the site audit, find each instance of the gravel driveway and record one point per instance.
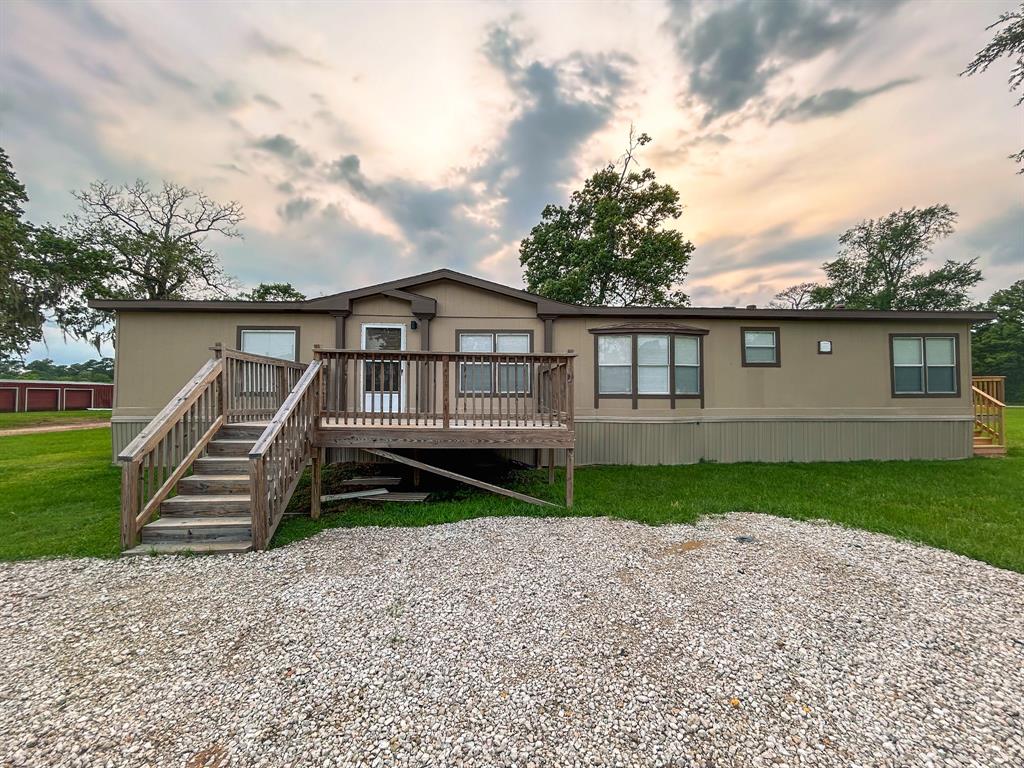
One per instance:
(516, 641)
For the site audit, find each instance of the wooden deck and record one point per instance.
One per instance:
(215, 469)
(387, 399)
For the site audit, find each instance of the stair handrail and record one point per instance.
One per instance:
(279, 456)
(986, 406)
(163, 451)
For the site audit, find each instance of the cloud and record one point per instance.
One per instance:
(280, 51)
(266, 101)
(435, 221)
(831, 102)
(296, 208)
(229, 96)
(564, 103)
(733, 51)
(285, 148)
(90, 19)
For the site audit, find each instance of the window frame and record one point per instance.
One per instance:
(635, 394)
(774, 329)
(493, 390)
(923, 337)
(240, 329)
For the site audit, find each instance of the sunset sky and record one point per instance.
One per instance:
(371, 141)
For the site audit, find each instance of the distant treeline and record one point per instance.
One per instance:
(47, 370)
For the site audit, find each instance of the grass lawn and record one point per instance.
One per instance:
(59, 496)
(47, 418)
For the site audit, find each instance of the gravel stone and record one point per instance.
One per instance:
(520, 642)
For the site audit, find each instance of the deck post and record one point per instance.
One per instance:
(569, 476)
(129, 503)
(316, 484)
(445, 395)
(258, 504)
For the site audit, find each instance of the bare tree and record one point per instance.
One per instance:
(798, 296)
(134, 242)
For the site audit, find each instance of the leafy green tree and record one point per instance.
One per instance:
(997, 349)
(609, 245)
(132, 242)
(881, 266)
(1008, 41)
(25, 276)
(273, 292)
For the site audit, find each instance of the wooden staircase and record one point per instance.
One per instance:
(988, 395)
(215, 469)
(212, 511)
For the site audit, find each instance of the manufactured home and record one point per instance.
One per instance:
(446, 360)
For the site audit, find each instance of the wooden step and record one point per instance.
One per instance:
(221, 465)
(190, 548)
(206, 505)
(177, 529)
(397, 496)
(240, 447)
(989, 450)
(245, 431)
(217, 485)
(372, 481)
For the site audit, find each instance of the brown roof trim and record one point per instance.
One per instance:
(341, 302)
(650, 328)
(780, 314)
(169, 305)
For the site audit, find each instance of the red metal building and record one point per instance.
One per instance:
(26, 395)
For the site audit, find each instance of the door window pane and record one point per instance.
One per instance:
(513, 378)
(277, 343)
(376, 338)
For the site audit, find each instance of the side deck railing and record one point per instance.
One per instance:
(232, 386)
(279, 456)
(988, 396)
(446, 389)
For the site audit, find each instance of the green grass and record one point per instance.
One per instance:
(48, 418)
(59, 496)
(974, 507)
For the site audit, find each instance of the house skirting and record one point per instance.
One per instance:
(728, 440)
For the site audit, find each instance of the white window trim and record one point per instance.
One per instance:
(630, 365)
(667, 365)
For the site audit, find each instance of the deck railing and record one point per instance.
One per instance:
(279, 456)
(233, 386)
(256, 385)
(446, 389)
(989, 408)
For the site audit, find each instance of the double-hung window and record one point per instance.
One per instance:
(504, 376)
(650, 365)
(761, 347)
(924, 365)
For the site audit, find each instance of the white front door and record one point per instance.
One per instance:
(383, 381)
